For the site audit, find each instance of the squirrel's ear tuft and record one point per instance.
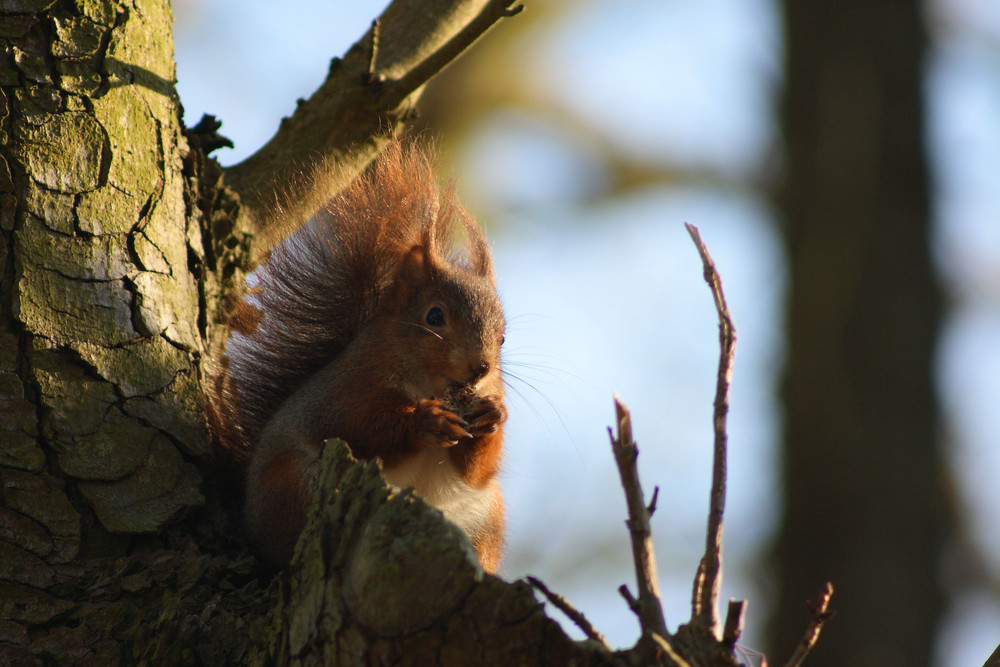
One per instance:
(415, 267)
(412, 273)
(478, 250)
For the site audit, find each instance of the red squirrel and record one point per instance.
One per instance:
(365, 324)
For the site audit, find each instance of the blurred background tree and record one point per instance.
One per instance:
(863, 479)
(584, 134)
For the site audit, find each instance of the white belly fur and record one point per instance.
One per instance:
(434, 477)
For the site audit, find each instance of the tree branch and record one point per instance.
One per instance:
(994, 659)
(416, 77)
(367, 95)
(669, 652)
(572, 612)
(704, 611)
(647, 606)
(820, 614)
(733, 628)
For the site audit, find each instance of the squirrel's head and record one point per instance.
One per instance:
(450, 323)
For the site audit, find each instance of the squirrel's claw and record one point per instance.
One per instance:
(485, 416)
(439, 426)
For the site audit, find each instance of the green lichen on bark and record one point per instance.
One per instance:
(101, 412)
(90, 258)
(104, 307)
(117, 448)
(161, 487)
(62, 152)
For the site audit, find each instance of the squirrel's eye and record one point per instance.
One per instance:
(435, 317)
(503, 339)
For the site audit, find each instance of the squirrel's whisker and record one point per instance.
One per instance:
(421, 326)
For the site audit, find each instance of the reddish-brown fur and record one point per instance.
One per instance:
(285, 513)
(335, 340)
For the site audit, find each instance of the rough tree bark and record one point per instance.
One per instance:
(120, 243)
(863, 477)
(103, 328)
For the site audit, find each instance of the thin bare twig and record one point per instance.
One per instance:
(706, 589)
(373, 49)
(630, 600)
(651, 508)
(994, 659)
(733, 627)
(820, 612)
(647, 606)
(668, 650)
(572, 612)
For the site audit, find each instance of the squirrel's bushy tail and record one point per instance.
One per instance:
(322, 283)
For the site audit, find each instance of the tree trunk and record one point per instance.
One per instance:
(863, 474)
(102, 325)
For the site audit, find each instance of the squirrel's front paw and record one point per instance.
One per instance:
(485, 416)
(437, 425)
